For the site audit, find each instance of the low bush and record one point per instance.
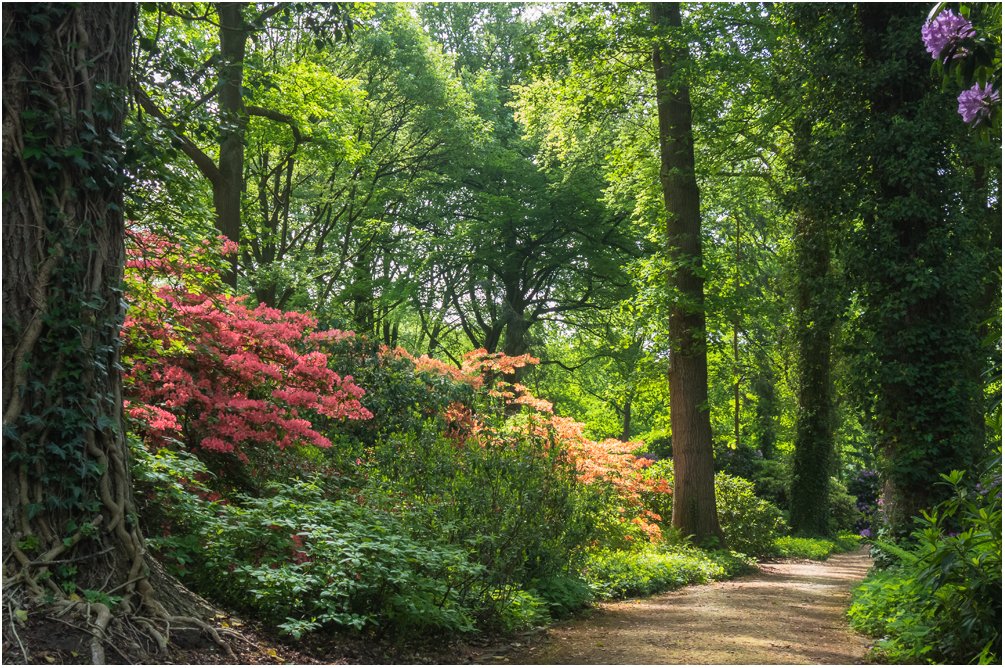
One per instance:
(771, 482)
(564, 595)
(942, 601)
(842, 507)
(814, 548)
(741, 461)
(652, 569)
(750, 524)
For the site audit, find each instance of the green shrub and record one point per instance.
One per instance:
(616, 574)
(427, 535)
(741, 461)
(814, 548)
(803, 548)
(655, 502)
(891, 603)
(847, 542)
(750, 524)
(521, 610)
(942, 601)
(843, 508)
(564, 595)
(771, 482)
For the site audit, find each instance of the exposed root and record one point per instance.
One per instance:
(208, 629)
(98, 620)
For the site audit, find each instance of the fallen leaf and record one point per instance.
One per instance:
(22, 615)
(50, 659)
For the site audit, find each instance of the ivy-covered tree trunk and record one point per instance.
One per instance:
(69, 521)
(915, 271)
(814, 444)
(694, 511)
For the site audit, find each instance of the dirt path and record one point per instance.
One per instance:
(789, 613)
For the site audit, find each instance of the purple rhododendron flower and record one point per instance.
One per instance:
(943, 29)
(975, 103)
(865, 533)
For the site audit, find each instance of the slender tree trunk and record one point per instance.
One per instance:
(694, 510)
(227, 194)
(814, 445)
(67, 490)
(626, 419)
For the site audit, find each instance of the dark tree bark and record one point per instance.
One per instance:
(694, 511)
(67, 492)
(814, 445)
(227, 194)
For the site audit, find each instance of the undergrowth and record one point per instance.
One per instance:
(818, 549)
(658, 568)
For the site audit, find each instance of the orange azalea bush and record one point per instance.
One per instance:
(607, 463)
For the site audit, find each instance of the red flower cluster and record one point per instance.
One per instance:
(203, 369)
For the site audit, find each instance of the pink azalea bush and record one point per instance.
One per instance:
(205, 371)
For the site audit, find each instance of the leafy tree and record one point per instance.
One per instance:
(694, 510)
(914, 270)
(203, 102)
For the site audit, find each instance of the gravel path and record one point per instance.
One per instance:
(790, 613)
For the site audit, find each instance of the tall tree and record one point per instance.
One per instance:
(813, 454)
(914, 267)
(220, 77)
(67, 492)
(694, 509)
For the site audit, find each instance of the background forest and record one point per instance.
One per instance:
(405, 284)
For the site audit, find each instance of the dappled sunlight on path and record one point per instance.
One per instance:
(789, 613)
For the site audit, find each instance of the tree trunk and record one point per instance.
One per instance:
(694, 511)
(923, 322)
(227, 194)
(67, 490)
(814, 445)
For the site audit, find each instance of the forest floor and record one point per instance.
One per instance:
(790, 612)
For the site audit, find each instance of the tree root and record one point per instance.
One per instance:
(98, 619)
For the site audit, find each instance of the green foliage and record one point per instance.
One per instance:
(814, 548)
(942, 602)
(652, 569)
(771, 482)
(843, 511)
(661, 504)
(431, 535)
(749, 523)
(563, 594)
(741, 462)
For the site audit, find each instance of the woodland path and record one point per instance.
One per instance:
(791, 612)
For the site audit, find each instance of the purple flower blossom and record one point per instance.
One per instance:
(943, 29)
(976, 102)
(865, 533)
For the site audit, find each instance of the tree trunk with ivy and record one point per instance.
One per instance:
(70, 531)
(814, 445)
(916, 267)
(694, 510)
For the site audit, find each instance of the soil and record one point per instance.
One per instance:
(791, 612)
